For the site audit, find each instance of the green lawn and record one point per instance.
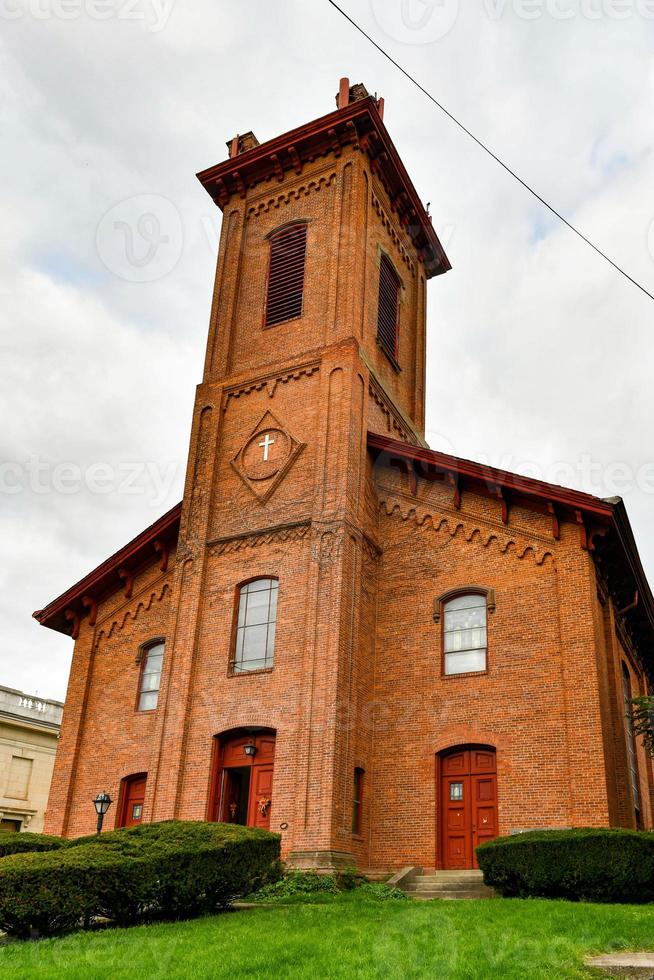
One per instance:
(349, 936)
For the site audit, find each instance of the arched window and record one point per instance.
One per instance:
(288, 249)
(464, 634)
(629, 732)
(388, 312)
(254, 644)
(150, 677)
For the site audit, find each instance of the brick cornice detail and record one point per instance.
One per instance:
(252, 539)
(117, 620)
(395, 507)
(393, 234)
(394, 422)
(270, 382)
(303, 190)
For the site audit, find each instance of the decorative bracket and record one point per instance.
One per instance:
(163, 553)
(295, 159)
(73, 618)
(630, 606)
(89, 603)
(454, 483)
(556, 527)
(583, 533)
(502, 496)
(127, 580)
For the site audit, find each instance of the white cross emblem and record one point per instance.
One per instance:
(265, 445)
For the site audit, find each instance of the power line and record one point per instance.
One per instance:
(497, 159)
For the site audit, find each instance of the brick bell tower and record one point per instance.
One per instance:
(317, 335)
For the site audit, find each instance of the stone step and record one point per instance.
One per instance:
(455, 886)
(448, 882)
(469, 875)
(451, 895)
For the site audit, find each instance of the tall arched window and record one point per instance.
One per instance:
(464, 634)
(254, 644)
(288, 249)
(150, 677)
(629, 732)
(388, 311)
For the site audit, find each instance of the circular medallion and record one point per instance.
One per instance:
(265, 454)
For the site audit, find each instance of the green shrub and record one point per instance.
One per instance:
(299, 883)
(24, 842)
(582, 864)
(168, 870)
(381, 892)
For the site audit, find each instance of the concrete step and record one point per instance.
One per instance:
(469, 875)
(453, 887)
(453, 895)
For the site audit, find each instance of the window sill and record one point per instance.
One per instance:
(280, 323)
(359, 838)
(468, 673)
(249, 673)
(391, 357)
(145, 711)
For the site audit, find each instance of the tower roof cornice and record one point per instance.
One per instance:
(358, 124)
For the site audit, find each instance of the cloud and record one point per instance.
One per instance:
(540, 355)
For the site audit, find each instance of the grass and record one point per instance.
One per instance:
(348, 936)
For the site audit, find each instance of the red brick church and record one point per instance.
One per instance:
(384, 653)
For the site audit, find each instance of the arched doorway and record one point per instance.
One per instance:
(468, 803)
(243, 777)
(131, 799)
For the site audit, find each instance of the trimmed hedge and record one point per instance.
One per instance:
(592, 865)
(175, 869)
(21, 843)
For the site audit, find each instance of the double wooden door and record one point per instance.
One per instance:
(243, 791)
(468, 805)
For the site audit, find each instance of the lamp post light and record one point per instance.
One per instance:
(250, 749)
(102, 802)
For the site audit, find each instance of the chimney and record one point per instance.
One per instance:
(241, 144)
(354, 93)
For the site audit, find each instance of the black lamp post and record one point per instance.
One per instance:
(102, 802)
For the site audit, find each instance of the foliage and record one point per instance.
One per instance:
(297, 883)
(643, 719)
(168, 870)
(23, 842)
(380, 892)
(348, 937)
(589, 864)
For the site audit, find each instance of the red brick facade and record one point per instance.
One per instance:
(364, 529)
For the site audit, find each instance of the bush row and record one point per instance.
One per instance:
(173, 869)
(589, 864)
(24, 842)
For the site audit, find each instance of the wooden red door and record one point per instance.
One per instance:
(260, 797)
(468, 808)
(133, 798)
(242, 787)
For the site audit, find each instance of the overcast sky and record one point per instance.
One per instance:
(540, 356)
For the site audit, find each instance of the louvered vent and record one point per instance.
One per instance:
(286, 275)
(389, 300)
